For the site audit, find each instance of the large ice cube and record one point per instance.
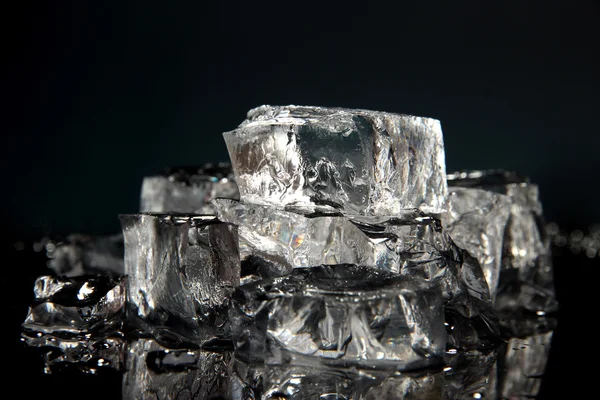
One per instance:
(188, 190)
(340, 315)
(359, 161)
(180, 270)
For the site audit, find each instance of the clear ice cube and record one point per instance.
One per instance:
(411, 243)
(358, 161)
(526, 276)
(340, 315)
(181, 270)
(274, 242)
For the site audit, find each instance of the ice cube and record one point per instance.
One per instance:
(340, 315)
(526, 276)
(274, 242)
(188, 190)
(410, 243)
(181, 269)
(476, 220)
(358, 161)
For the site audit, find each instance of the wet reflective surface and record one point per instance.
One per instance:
(105, 381)
(513, 369)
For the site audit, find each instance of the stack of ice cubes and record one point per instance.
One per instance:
(334, 259)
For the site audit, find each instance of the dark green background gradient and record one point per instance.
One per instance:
(100, 94)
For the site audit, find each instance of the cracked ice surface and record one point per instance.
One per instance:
(358, 161)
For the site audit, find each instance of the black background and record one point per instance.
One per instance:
(99, 94)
